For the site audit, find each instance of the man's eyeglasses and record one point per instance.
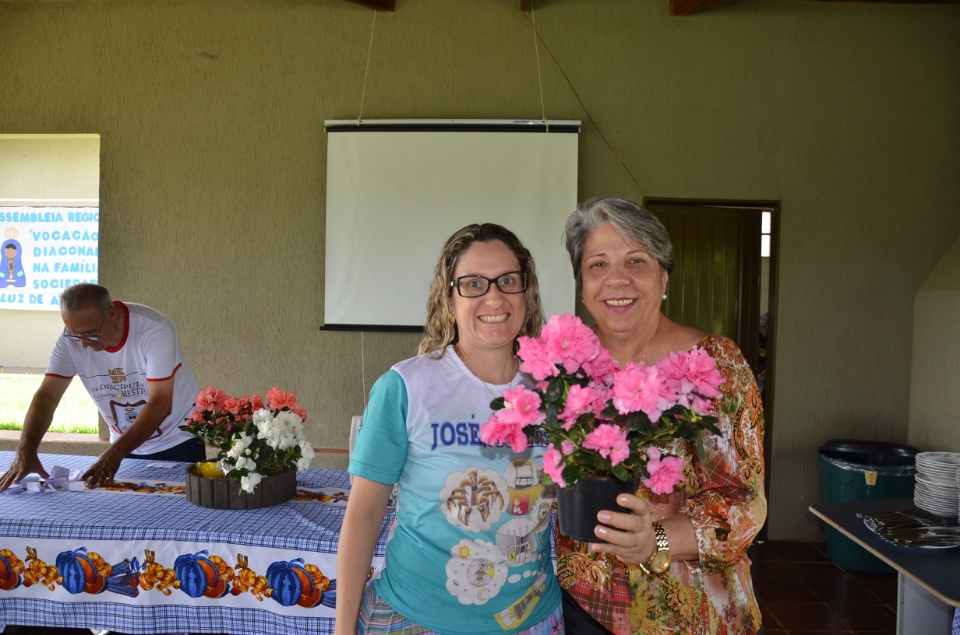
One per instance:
(476, 286)
(90, 338)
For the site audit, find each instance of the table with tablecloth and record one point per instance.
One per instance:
(142, 559)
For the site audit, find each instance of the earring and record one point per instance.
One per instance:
(452, 319)
(664, 296)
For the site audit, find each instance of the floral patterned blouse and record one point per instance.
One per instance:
(723, 497)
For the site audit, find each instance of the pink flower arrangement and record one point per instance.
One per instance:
(253, 438)
(600, 420)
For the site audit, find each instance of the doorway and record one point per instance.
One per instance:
(725, 279)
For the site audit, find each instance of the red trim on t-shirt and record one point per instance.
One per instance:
(126, 327)
(59, 376)
(166, 378)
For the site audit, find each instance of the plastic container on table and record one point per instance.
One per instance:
(858, 471)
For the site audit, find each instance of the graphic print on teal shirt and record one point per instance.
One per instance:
(476, 500)
(469, 551)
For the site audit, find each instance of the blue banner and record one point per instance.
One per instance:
(44, 251)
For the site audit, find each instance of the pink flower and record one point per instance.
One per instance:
(664, 472)
(526, 402)
(571, 342)
(691, 379)
(278, 400)
(221, 399)
(553, 465)
(577, 381)
(610, 441)
(505, 427)
(206, 399)
(231, 405)
(580, 401)
(256, 402)
(537, 359)
(601, 368)
(636, 388)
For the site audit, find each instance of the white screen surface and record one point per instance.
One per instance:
(395, 196)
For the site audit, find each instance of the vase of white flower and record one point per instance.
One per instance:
(259, 443)
(223, 493)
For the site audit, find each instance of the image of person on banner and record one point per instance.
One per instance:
(129, 360)
(12, 274)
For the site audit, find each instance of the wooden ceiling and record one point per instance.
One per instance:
(677, 7)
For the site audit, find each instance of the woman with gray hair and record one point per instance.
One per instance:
(675, 562)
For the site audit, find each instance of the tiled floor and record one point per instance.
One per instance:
(800, 591)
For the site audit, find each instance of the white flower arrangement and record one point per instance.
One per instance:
(254, 439)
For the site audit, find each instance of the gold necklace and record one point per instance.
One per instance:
(489, 389)
(643, 355)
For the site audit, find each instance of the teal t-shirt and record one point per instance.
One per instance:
(469, 553)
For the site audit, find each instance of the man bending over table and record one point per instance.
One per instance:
(129, 360)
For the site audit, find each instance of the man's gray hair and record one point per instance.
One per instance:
(85, 294)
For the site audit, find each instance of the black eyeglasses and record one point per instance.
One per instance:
(89, 338)
(476, 286)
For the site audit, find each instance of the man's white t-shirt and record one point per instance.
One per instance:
(117, 377)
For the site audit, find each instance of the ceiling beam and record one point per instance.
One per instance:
(687, 7)
(379, 5)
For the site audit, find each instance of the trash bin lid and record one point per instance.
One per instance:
(869, 452)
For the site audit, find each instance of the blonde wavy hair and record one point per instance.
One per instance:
(438, 332)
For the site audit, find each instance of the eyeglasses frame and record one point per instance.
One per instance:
(88, 338)
(455, 283)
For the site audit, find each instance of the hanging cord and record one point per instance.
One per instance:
(363, 376)
(536, 50)
(590, 119)
(367, 69)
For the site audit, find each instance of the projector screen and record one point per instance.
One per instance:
(396, 190)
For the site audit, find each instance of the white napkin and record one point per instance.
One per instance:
(61, 479)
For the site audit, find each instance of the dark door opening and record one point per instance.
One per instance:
(725, 280)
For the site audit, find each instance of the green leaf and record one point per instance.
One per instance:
(609, 412)
(701, 451)
(555, 389)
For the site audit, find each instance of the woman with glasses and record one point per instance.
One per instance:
(469, 552)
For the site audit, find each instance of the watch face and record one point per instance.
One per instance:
(660, 562)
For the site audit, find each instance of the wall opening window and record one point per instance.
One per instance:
(49, 240)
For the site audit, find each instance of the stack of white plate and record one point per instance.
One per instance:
(938, 483)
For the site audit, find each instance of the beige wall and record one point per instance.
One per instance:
(934, 396)
(212, 187)
(40, 171)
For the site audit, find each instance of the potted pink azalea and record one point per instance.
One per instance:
(601, 421)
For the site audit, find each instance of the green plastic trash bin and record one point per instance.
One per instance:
(858, 471)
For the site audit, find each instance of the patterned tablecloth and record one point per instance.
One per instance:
(151, 562)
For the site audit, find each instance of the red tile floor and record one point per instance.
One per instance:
(801, 592)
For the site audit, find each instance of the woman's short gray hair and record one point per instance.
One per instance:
(83, 295)
(629, 219)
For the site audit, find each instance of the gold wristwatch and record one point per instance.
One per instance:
(660, 561)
